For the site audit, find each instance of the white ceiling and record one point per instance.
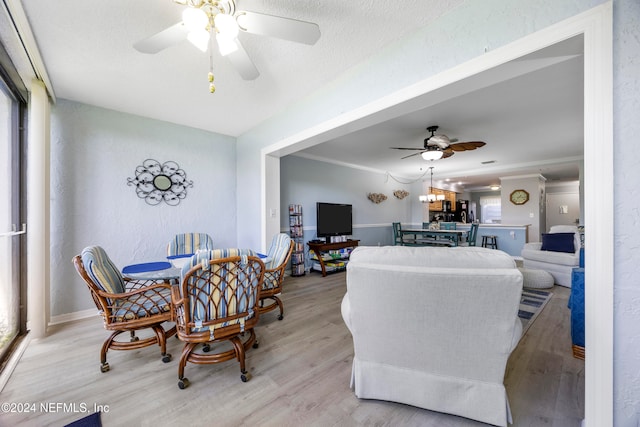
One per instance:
(529, 112)
(87, 49)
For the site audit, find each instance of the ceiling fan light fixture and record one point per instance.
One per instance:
(226, 25)
(226, 45)
(432, 155)
(194, 19)
(199, 38)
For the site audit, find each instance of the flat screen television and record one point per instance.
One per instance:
(333, 219)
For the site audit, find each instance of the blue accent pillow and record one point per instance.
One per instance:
(558, 242)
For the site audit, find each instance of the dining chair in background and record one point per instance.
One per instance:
(472, 236)
(397, 236)
(189, 243)
(217, 301)
(400, 238)
(279, 254)
(126, 305)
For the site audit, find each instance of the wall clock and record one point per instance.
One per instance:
(519, 197)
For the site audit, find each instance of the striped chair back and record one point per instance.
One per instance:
(222, 290)
(447, 226)
(278, 250)
(189, 243)
(102, 270)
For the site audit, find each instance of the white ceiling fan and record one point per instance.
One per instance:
(204, 20)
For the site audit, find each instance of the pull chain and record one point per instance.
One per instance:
(212, 87)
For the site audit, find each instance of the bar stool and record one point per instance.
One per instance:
(490, 242)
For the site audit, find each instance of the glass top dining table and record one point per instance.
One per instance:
(164, 270)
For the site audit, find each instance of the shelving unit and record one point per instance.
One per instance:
(296, 233)
(331, 257)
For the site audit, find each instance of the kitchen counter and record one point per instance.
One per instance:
(510, 238)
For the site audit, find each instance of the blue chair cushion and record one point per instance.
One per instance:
(189, 243)
(149, 303)
(278, 250)
(102, 270)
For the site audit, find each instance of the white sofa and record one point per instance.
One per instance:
(433, 327)
(559, 264)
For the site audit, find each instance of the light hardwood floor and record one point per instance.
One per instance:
(300, 374)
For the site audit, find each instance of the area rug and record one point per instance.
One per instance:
(92, 420)
(532, 302)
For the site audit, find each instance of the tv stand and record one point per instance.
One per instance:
(318, 248)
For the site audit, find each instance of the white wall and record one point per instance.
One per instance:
(533, 212)
(93, 152)
(565, 195)
(626, 154)
(306, 181)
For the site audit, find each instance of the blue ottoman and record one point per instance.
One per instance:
(577, 312)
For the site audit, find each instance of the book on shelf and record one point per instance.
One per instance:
(295, 209)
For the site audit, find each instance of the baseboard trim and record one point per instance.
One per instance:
(14, 358)
(70, 317)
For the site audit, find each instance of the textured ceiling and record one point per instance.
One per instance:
(528, 112)
(88, 53)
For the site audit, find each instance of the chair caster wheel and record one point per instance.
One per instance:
(183, 383)
(245, 376)
(256, 344)
(206, 348)
(104, 367)
(166, 358)
(280, 317)
(134, 339)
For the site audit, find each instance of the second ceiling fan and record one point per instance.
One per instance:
(440, 146)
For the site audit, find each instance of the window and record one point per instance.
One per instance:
(12, 314)
(490, 210)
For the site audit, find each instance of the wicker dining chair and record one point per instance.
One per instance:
(280, 254)
(217, 301)
(126, 305)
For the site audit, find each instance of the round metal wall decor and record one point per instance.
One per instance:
(157, 182)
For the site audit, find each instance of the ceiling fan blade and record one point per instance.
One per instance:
(279, 27)
(410, 155)
(466, 146)
(162, 40)
(447, 153)
(242, 63)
